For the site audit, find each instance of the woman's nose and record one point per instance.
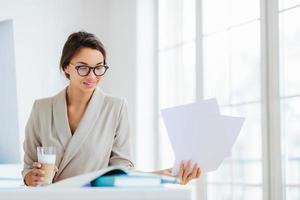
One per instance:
(91, 74)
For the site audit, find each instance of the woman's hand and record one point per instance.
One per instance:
(185, 173)
(36, 175)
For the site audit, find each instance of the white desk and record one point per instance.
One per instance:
(166, 193)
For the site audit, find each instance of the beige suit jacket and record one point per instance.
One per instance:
(101, 139)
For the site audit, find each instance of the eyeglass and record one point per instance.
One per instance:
(84, 70)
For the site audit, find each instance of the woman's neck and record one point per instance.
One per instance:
(77, 98)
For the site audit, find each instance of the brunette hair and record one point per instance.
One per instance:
(76, 41)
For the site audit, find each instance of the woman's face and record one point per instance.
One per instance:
(85, 57)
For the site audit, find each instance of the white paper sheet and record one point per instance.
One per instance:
(199, 133)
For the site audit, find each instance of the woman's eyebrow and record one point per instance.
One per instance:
(80, 62)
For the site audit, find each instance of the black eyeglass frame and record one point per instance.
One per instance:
(90, 68)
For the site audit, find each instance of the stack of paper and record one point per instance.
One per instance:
(199, 133)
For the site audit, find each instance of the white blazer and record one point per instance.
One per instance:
(102, 137)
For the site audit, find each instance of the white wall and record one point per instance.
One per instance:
(40, 30)
(121, 48)
(146, 86)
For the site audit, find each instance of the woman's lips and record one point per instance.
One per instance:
(89, 84)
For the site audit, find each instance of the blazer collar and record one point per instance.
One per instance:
(60, 117)
(73, 143)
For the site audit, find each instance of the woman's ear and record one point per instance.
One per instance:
(67, 70)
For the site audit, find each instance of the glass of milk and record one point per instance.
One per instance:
(47, 157)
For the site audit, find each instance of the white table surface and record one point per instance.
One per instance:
(9, 190)
(159, 193)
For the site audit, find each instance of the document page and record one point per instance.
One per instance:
(198, 132)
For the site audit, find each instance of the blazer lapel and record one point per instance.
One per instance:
(60, 116)
(84, 128)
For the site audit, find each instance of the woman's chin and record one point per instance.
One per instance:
(88, 89)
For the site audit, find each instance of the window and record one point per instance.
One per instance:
(240, 66)
(289, 13)
(231, 72)
(176, 62)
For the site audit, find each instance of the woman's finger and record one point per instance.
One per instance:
(186, 172)
(55, 169)
(34, 183)
(36, 165)
(193, 174)
(198, 173)
(37, 182)
(38, 179)
(180, 171)
(38, 172)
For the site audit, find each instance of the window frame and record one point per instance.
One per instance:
(270, 99)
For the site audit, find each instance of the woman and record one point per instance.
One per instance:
(88, 128)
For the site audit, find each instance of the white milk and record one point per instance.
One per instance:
(47, 158)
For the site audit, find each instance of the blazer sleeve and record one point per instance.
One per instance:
(31, 141)
(121, 151)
